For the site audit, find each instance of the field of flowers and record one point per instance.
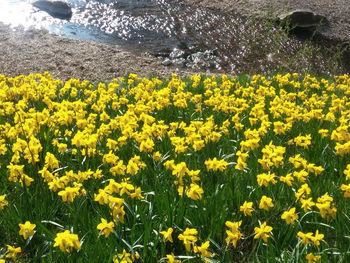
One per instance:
(214, 169)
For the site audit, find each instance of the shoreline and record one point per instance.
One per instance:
(36, 51)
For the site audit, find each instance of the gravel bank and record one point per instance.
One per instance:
(25, 52)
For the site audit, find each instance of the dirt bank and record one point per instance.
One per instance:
(336, 11)
(25, 52)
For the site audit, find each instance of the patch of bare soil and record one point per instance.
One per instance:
(33, 51)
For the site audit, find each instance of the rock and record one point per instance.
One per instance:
(303, 18)
(167, 62)
(176, 53)
(57, 9)
(180, 62)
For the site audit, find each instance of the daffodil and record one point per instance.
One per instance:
(203, 250)
(26, 229)
(189, 237)
(247, 208)
(105, 227)
(266, 203)
(124, 257)
(171, 258)
(12, 252)
(311, 258)
(262, 232)
(233, 234)
(167, 235)
(3, 202)
(67, 241)
(306, 238)
(69, 194)
(290, 216)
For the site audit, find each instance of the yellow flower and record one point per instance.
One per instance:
(125, 187)
(101, 197)
(167, 235)
(233, 235)
(51, 161)
(110, 158)
(179, 170)
(325, 206)
(311, 258)
(307, 204)
(118, 169)
(312, 168)
(147, 145)
(216, 164)
(198, 145)
(169, 165)
(290, 216)
(265, 203)
(323, 132)
(137, 193)
(188, 237)
(157, 156)
(112, 144)
(347, 172)
(345, 188)
(67, 241)
(265, 179)
(12, 252)
(123, 258)
(298, 161)
(303, 192)
(69, 194)
(171, 259)
(241, 161)
(288, 179)
(195, 192)
(301, 175)
(203, 249)
(272, 156)
(3, 202)
(105, 228)
(303, 141)
(305, 238)
(247, 208)
(26, 229)
(262, 232)
(194, 175)
(132, 167)
(317, 238)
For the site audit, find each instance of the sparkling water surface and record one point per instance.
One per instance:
(120, 22)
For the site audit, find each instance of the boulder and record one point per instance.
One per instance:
(303, 19)
(57, 9)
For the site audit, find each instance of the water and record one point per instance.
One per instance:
(118, 22)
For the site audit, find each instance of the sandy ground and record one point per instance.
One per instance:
(25, 52)
(37, 51)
